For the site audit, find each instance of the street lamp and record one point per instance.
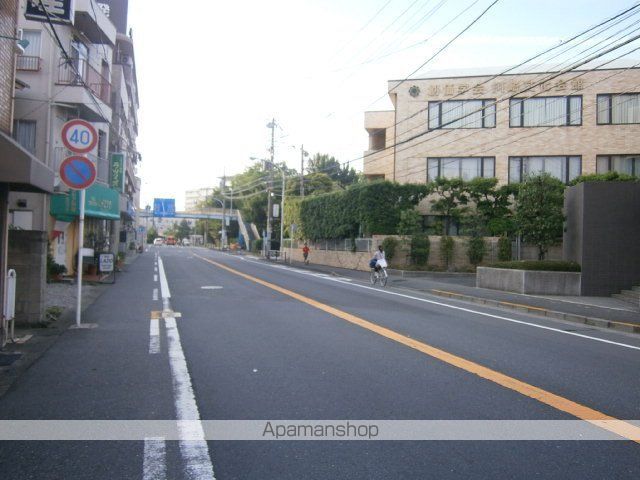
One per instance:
(206, 223)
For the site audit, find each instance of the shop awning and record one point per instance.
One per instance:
(21, 170)
(100, 202)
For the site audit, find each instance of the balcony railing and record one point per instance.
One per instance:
(79, 72)
(28, 63)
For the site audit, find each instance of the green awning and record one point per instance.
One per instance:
(100, 202)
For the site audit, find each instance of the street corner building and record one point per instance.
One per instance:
(507, 126)
(80, 66)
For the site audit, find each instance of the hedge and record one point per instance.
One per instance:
(542, 265)
(362, 209)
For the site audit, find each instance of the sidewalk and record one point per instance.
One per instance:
(603, 312)
(32, 343)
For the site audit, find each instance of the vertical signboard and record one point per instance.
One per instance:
(117, 172)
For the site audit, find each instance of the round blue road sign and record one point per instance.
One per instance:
(77, 172)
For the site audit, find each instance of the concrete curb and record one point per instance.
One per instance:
(571, 317)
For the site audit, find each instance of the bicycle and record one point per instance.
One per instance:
(380, 274)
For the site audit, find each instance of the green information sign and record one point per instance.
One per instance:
(100, 202)
(117, 172)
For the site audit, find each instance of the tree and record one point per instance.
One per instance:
(452, 201)
(184, 230)
(539, 215)
(410, 222)
(314, 184)
(152, 233)
(492, 206)
(323, 163)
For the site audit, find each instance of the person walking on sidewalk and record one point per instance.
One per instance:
(305, 253)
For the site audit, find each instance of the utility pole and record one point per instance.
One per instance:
(272, 126)
(224, 220)
(302, 152)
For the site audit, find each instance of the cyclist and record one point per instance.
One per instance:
(305, 252)
(379, 255)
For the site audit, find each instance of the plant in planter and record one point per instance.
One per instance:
(54, 270)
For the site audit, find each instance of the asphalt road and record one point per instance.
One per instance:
(263, 341)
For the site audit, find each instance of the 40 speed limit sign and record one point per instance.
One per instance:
(79, 136)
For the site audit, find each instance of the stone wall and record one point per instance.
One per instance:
(28, 257)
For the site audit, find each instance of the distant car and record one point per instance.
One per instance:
(170, 240)
(158, 241)
(186, 242)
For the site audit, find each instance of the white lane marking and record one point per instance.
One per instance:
(155, 278)
(211, 287)
(195, 452)
(154, 465)
(155, 294)
(468, 310)
(154, 336)
(155, 269)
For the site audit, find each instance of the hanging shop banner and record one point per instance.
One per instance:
(117, 172)
(100, 202)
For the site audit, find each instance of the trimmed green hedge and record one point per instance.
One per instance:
(542, 265)
(361, 209)
(605, 177)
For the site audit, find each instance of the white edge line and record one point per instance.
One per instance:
(154, 466)
(468, 310)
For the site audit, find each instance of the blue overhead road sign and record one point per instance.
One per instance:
(164, 207)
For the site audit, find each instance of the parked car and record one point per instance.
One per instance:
(186, 242)
(158, 241)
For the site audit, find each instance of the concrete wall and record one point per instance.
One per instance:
(28, 257)
(602, 234)
(527, 281)
(333, 258)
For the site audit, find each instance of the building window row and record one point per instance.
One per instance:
(563, 168)
(545, 111)
(618, 109)
(466, 168)
(628, 164)
(612, 109)
(463, 114)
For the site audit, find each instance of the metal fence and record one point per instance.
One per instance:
(337, 245)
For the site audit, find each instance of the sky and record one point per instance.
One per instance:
(212, 75)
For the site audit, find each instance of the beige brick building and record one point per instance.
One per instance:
(507, 126)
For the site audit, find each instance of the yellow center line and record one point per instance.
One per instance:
(599, 419)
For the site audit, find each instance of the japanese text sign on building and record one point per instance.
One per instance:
(58, 11)
(117, 172)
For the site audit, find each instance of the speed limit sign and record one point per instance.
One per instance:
(79, 136)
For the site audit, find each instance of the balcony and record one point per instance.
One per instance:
(27, 63)
(80, 74)
(93, 23)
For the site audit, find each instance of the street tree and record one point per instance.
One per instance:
(451, 200)
(323, 163)
(539, 215)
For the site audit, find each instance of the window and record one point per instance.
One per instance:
(377, 139)
(462, 114)
(562, 168)
(30, 60)
(618, 109)
(24, 131)
(545, 111)
(629, 164)
(466, 168)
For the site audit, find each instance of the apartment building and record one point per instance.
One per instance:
(95, 81)
(21, 174)
(193, 199)
(507, 126)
